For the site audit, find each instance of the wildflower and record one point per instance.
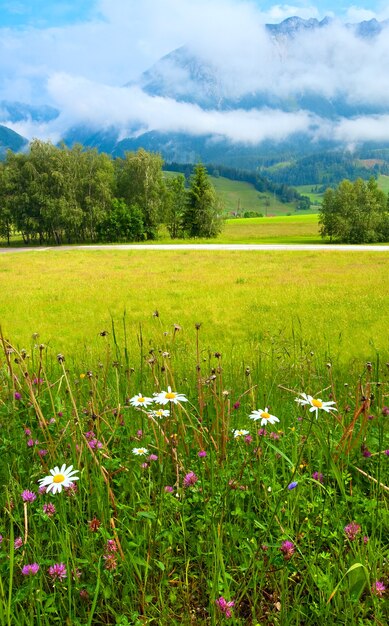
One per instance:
(202, 454)
(139, 433)
(140, 400)
(274, 435)
(30, 570)
(49, 509)
(71, 490)
(366, 452)
(32, 442)
(90, 434)
(42, 490)
(264, 416)
(17, 395)
(57, 572)
(84, 595)
(140, 451)
(236, 405)
(27, 432)
(42, 453)
(59, 478)
(110, 561)
(28, 496)
(240, 433)
(385, 411)
(168, 489)
(365, 539)
(1, 539)
(352, 530)
(144, 465)
(190, 479)
(111, 545)
(94, 525)
(18, 543)
(159, 413)
(248, 439)
(153, 457)
(224, 606)
(318, 476)
(315, 404)
(287, 548)
(292, 485)
(261, 432)
(386, 452)
(378, 589)
(95, 443)
(169, 396)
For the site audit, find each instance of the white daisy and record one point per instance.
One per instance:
(140, 451)
(141, 400)
(159, 413)
(59, 478)
(169, 396)
(264, 416)
(315, 404)
(240, 433)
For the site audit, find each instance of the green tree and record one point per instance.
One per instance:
(202, 215)
(176, 198)
(140, 182)
(122, 223)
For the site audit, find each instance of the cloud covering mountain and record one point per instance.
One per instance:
(223, 73)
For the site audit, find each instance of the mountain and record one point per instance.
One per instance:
(19, 111)
(9, 140)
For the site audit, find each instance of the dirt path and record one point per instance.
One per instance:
(210, 246)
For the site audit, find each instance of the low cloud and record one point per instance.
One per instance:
(81, 69)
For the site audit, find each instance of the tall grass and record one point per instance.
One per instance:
(202, 518)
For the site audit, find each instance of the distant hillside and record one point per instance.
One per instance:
(9, 140)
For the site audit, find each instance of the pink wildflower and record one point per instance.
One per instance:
(378, 589)
(352, 530)
(28, 496)
(57, 572)
(224, 606)
(287, 548)
(30, 570)
(190, 479)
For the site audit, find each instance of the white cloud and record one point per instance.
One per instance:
(357, 14)
(81, 68)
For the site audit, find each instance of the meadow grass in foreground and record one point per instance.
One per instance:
(256, 301)
(184, 499)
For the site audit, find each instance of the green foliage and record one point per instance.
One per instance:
(137, 553)
(123, 223)
(176, 198)
(355, 213)
(202, 214)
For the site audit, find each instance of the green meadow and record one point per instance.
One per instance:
(333, 299)
(155, 392)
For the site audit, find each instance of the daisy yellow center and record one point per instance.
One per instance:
(59, 478)
(170, 395)
(141, 399)
(317, 403)
(265, 415)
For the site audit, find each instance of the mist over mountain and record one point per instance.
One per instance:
(287, 89)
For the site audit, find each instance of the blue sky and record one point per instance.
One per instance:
(46, 13)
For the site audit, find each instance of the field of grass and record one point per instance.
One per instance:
(247, 298)
(309, 190)
(238, 197)
(383, 183)
(238, 505)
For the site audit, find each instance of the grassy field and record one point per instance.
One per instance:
(383, 183)
(309, 190)
(235, 505)
(248, 298)
(238, 197)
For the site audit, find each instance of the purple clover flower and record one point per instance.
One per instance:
(190, 479)
(318, 476)
(30, 570)
(17, 395)
(57, 572)
(202, 454)
(287, 548)
(378, 589)
(49, 509)
(18, 543)
(168, 489)
(352, 530)
(224, 606)
(28, 496)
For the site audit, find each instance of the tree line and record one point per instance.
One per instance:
(57, 194)
(355, 212)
